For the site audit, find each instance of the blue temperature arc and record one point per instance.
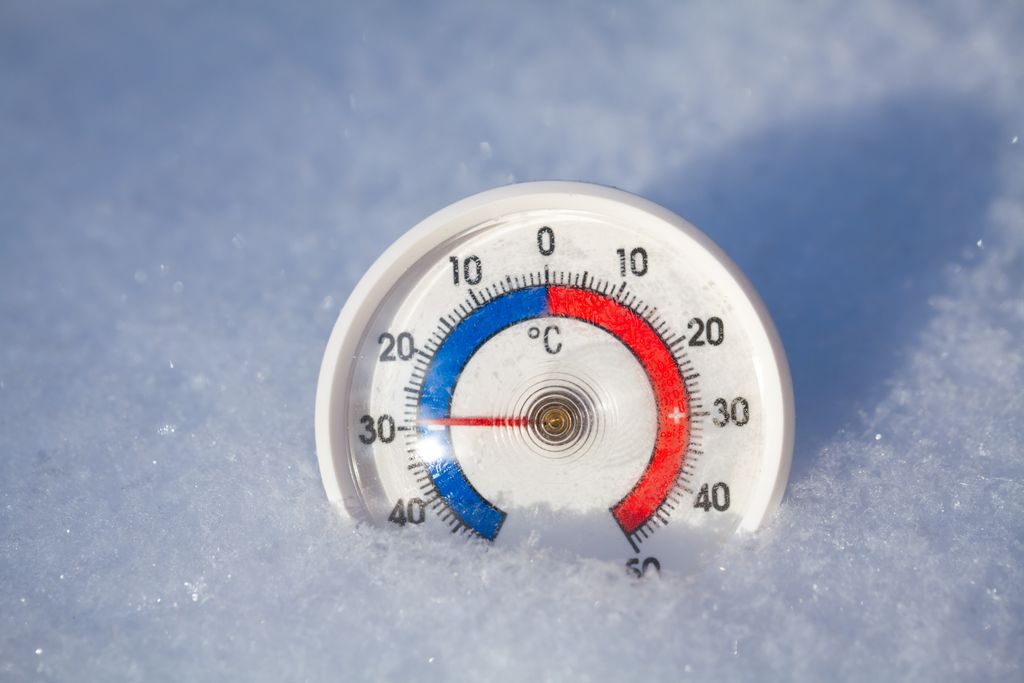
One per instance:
(436, 398)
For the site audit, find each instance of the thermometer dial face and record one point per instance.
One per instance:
(560, 364)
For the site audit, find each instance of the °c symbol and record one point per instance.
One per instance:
(550, 336)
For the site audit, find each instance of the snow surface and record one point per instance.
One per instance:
(189, 191)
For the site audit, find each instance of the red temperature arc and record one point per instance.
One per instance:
(661, 474)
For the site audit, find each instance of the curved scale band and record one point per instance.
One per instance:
(632, 330)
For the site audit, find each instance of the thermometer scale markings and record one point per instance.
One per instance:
(625, 324)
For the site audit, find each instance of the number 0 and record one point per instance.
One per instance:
(546, 241)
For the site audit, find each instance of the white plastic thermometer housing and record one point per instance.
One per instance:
(562, 364)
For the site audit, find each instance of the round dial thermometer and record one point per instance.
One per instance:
(561, 364)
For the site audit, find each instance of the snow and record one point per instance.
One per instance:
(189, 191)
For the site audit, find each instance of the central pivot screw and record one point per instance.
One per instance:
(555, 420)
(558, 419)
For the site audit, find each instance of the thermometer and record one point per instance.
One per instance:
(558, 364)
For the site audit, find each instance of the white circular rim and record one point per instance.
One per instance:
(335, 371)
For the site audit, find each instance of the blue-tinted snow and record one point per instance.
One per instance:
(188, 192)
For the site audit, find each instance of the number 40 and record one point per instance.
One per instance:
(413, 512)
(717, 497)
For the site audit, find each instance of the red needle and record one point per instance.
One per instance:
(478, 421)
